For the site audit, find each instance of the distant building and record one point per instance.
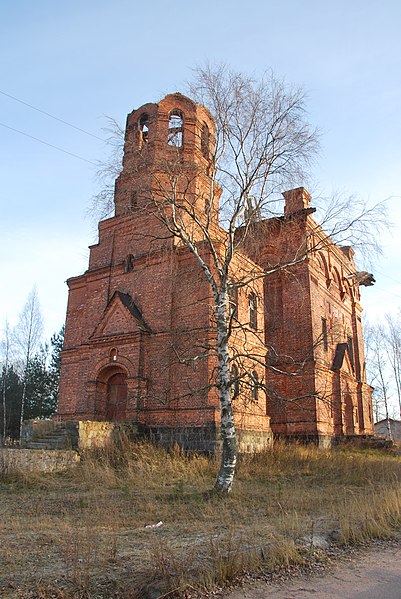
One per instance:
(139, 316)
(389, 428)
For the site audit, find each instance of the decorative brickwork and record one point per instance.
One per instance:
(139, 319)
(313, 328)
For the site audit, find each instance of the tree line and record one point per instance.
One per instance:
(383, 363)
(29, 371)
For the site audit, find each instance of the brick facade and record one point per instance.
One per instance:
(139, 319)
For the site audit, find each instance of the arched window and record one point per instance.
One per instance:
(113, 354)
(175, 129)
(255, 386)
(234, 388)
(338, 283)
(205, 139)
(143, 128)
(253, 314)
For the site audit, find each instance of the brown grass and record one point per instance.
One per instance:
(83, 534)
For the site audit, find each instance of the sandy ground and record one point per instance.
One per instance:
(374, 574)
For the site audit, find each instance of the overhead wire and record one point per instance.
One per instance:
(52, 116)
(48, 144)
(387, 277)
(388, 292)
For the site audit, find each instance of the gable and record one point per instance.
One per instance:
(120, 317)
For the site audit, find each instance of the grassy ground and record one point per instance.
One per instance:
(83, 534)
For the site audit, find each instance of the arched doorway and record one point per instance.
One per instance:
(116, 397)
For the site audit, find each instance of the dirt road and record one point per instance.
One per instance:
(373, 574)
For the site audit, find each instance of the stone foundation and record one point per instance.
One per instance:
(89, 434)
(253, 441)
(73, 434)
(207, 439)
(204, 439)
(329, 442)
(27, 460)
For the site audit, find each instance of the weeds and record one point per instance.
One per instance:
(83, 533)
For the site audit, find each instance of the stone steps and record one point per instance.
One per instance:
(73, 434)
(55, 439)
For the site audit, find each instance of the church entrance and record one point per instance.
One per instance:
(116, 397)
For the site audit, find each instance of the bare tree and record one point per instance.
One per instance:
(27, 335)
(378, 374)
(107, 170)
(383, 343)
(6, 342)
(393, 350)
(262, 144)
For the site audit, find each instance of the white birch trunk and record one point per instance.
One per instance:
(229, 442)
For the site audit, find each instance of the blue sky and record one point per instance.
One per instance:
(82, 60)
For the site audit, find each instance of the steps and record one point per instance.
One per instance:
(75, 434)
(59, 438)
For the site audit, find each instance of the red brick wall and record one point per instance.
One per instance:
(160, 342)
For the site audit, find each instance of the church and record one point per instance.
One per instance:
(140, 325)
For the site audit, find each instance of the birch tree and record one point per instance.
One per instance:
(28, 334)
(393, 349)
(379, 376)
(262, 144)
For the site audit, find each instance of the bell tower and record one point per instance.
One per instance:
(168, 159)
(141, 315)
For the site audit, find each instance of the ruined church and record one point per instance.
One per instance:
(140, 328)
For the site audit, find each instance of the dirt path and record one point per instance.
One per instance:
(373, 574)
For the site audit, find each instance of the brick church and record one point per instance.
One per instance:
(140, 321)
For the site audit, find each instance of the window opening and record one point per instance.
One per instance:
(175, 129)
(253, 317)
(143, 127)
(133, 201)
(255, 386)
(232, 300)
(205, 140)
(350, 345)
(324, 335)
(129, 263)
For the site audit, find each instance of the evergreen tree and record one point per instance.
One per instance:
(40, 399)
(56, 342)
(13, 392)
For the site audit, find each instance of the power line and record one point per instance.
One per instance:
(48, 144)
(387, 277)
(56, 118)
(388, 292)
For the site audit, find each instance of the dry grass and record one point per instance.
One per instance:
(83, 534)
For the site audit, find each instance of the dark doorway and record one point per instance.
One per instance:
(116, 397)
